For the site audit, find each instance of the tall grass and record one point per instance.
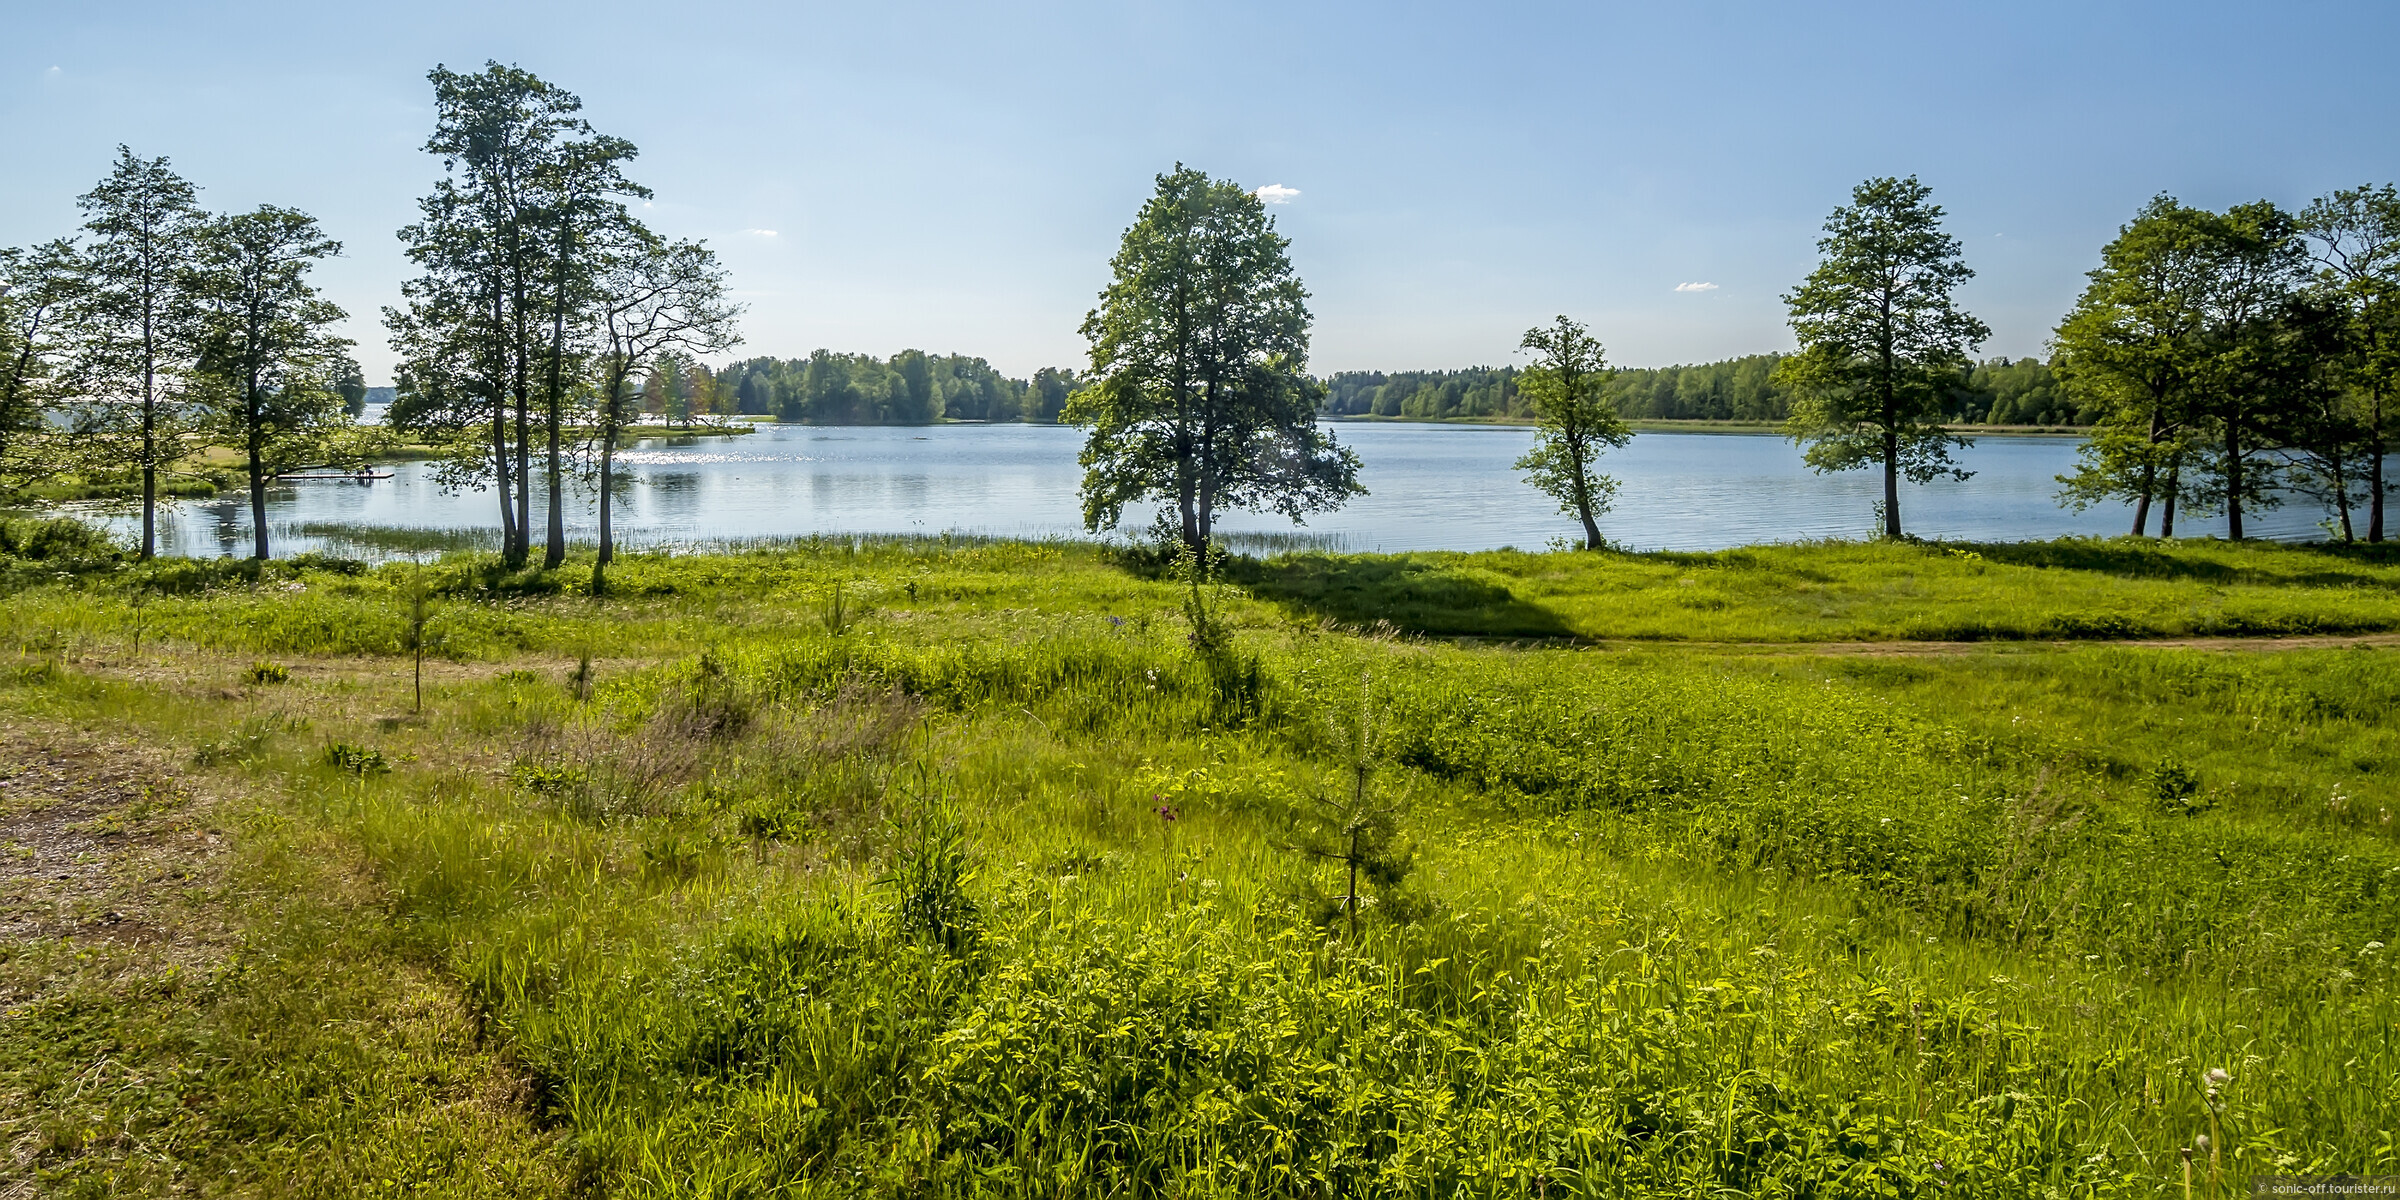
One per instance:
(984, 890)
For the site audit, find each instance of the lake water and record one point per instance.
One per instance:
(1430, 487)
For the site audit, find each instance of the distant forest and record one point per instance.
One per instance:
(826, 388)
(916, 388)
(1998, 391)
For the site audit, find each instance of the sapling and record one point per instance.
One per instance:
(139, 602)
(1351, 827)
(419, 616)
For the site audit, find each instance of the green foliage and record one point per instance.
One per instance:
(1198, 397)
(1997, 391)
(266, 673)
(1670, 920)
(268, 367)
(1426, 395)
(1882, 341)
(1578, 421)
(361, 761)
(911, 388)
(133, 343)
(930, 873)
(63, 540)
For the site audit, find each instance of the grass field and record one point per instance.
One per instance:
(939, 867)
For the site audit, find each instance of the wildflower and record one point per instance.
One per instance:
(2218, 1077)
(1166, 812)
(1119, 622)
(2370, 948)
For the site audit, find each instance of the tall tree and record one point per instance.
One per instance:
(1882, 341)
(578, 186)
(2132, 349)
(136, 352)
(2355, 236)
(1199, 395)
(2314, 424)
(501, 245)
(2254, 263)
(656, 299)
(38, 291)
(269, 366)
(1578, 420)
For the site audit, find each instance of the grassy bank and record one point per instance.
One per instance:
(936, 867)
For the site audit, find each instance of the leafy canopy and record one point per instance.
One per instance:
(1200, 396)
(1569, 387)
(1883, 342)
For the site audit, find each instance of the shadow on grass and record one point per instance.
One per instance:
(1414, 595)
(2319, 564)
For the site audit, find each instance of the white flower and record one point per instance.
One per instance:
(2218, 1077)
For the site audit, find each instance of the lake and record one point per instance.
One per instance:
(1430, 487)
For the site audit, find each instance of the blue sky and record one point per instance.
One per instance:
(954, 177)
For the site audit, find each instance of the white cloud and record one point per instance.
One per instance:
(1276, 193)
(1695, 287)
(760, 232)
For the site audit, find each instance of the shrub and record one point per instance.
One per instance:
(361, 761)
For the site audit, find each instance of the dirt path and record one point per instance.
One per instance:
(172, 1012)
(99, 839)
(1906, 648)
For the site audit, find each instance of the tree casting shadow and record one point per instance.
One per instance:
(1419, 597)
(2323, 564)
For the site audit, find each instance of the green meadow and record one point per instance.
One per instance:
(931, 867)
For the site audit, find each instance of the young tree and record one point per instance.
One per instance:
(656, 298)
(270, 368)
(135, 347)
(1568, 385)
(38, 289)
(1199, 394)
(2355, 236)
(2132, 348)
(1882, 341)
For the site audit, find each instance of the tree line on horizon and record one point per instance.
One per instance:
(915, 388)
(1994, 391)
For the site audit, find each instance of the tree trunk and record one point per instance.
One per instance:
(508, 523)
(608, 546)
(2375, 452)
(2141, 504)
(149, 478)
(2341, 497)
(2166, 523)
(258, 484)
(554, 549)
(2233, 481)
(1891, 483)
(524, 547)
(149, 415)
